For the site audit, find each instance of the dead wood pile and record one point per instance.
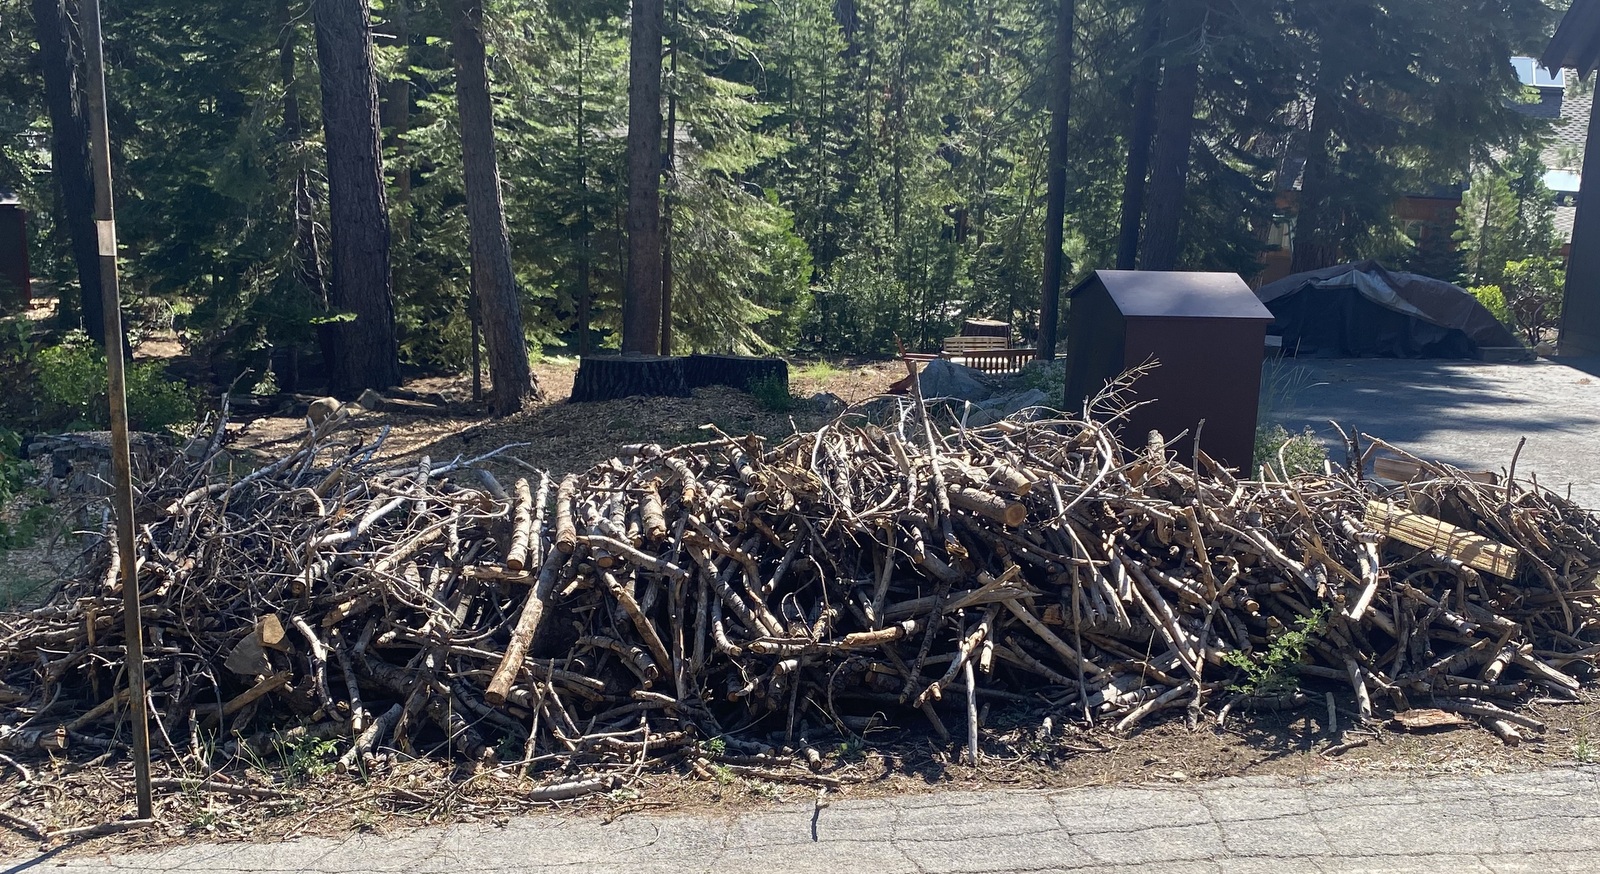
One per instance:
(874, 569)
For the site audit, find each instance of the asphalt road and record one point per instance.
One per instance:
(1467, 413)
(1533, 822)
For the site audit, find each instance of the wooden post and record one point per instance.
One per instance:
(122, 467)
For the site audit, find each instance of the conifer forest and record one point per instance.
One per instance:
(361, 186)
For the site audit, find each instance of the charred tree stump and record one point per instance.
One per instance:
(606, 377)
(735, 371)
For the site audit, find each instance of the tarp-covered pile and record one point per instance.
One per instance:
(1363, 310)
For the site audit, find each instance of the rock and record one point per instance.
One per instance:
(1031, 398)
(977, 417)
(827, 403)
(322, 409)
(945, 379)
(371, 400)
(1545, 349)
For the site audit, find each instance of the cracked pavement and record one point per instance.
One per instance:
(1542, 821)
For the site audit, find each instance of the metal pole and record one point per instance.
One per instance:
(122, 468)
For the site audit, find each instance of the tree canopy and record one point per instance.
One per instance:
(833, 173)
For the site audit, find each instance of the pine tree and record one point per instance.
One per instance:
(360, 341)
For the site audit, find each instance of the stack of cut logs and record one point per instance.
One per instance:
(878, 569)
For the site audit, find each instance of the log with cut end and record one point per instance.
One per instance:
(533, 611)
(651, 515)
(990, 505)
(521, 526)
(566, 529)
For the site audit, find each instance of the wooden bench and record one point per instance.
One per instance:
(961, 345)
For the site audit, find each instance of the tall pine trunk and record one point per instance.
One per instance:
(641, 304)
(364, 353)
(60, 54)
(1315, 241)
(583, 230)
(1141, 129)
(669, 164)
(305, 248)
(1056, 174)
(1169, 159)
(395, 113)
(493, 280)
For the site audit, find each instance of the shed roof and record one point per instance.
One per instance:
(1179, 295)
(1576, 44)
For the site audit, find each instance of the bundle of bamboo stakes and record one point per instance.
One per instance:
(878, 568)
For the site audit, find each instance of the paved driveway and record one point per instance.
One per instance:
(1467, 413)
(1541, 822)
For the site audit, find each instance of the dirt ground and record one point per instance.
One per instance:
(69, 792)
(563, 437)
(1018, 750)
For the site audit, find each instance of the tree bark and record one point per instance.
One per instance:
(364, 350)
(1141, 128)
(396, 112)
(671, 168)
(493, 279)
(1056, 175)
(1169, 160)
(641, 305)
(306, 251)
(584, 229)
(60, 56)
(1315, 227)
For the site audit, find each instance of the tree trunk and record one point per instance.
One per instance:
(1315, 243)
(584, 229)
(396, 112)
(641, 305)
(1169, 160)
(364, 351)
(1056, 175)
(493, 280)
(306, 251)
(670, 165)
(1141, 128)
(60, 54)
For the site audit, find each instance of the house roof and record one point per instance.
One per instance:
(1576, 44)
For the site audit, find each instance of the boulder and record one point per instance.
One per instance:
(827, 403)
(945, 379)
(1031, 398)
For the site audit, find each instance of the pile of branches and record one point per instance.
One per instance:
(728, 594)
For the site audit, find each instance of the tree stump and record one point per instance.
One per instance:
(735, 371)
(606, 377)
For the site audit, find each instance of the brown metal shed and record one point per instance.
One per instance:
(15, 291)
(1205, 330)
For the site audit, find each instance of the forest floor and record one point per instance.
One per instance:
(1019, 752)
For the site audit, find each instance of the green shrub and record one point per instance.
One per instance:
(1277, 671)
(1494, 300)
(1533, 296)
(1300, 453)
(156, 403)
(72, 383)
(72, 378)
(22, 511)
(772, 393)
(1049, 377)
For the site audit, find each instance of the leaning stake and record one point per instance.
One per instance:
(122, 487)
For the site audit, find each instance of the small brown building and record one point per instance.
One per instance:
(1205, 331)
(15, 280)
